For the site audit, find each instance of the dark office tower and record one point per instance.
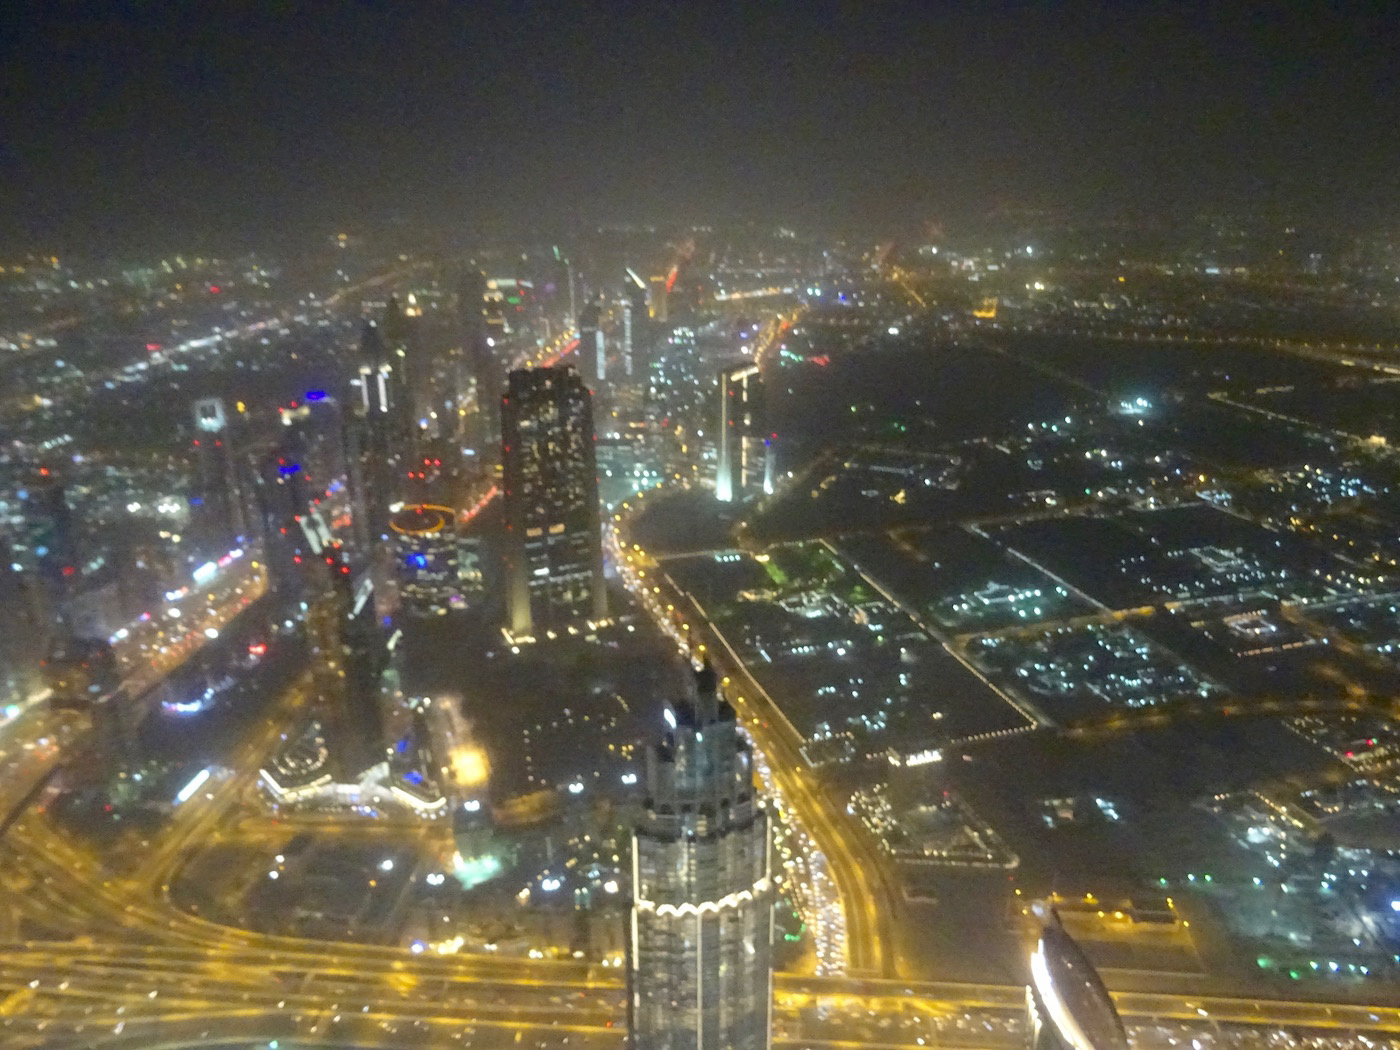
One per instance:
(383, 374)
(471, 303)
(305, 466)
(284, 488)
(398, 335)
(25, 628)
(745, 461)
(1067, 1006)
(481, 366)
(356, 461)
(554, 553)
(378, 442)
(364, 656)
(700, 969)
(313, 437)
(658, 296)
(218, 514)
(636, 334)
(592, 352)
(50, 529)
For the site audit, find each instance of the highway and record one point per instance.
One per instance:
(126, 993)
(153, 646)
(869, 900)
(31, 745)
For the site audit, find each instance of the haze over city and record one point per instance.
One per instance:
(160, 125)
(694, 526)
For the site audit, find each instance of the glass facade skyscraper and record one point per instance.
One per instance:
(745, 451)
(701, 938)
(217, 511)
(1067, 1006)
(554, 546)
(425, 557)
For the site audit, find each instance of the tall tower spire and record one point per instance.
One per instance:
(701, 949)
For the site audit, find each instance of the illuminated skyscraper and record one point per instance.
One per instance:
(636, 323)
(397, 332)
(700, 966)
(625, 304)
(217, 508)
(657, 299)
(592, 351)
(481, 363)
(509, 303)
(554, 554)
(381, 439)
(425, 553)
(745, 460)
(1067, 1006)
(312, 438)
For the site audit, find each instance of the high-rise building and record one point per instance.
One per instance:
(398, 333)
(745, 449)
(592, 350)
(25, 627)
(376, 387)
(217, 507)
(700, 966)
(382, 439)
(554, 553)
(636, 322)
(625, 305)
(657, 299)
(283, 486)
(509, 303)
(358, 463)
(1067, 1005)
(425, 553)
(312, 438)
(49, 524)
(482, 364)
(364, 655)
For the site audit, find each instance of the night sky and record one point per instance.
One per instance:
(152, 123)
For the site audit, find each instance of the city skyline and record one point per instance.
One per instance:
(1017, 602)
(685, 527)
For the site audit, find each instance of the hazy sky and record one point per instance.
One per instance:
(141, 123)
